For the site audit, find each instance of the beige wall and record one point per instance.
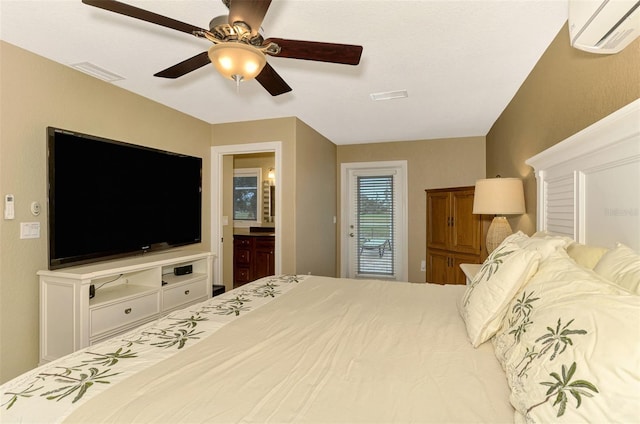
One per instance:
(316, 197)
(437, 163)
(566, 91)
(37, 93)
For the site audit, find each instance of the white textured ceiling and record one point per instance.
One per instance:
(460, 61)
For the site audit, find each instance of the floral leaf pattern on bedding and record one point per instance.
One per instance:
(562, 384)
(109, 359)
(566, 349)
(540, 344)
(486, 300)
(529, 356)
(292, 278)
(80, 383)
(522, 310)
(25, 393)
(232, 307)
(190, 322)
(266, 290)
(71, 379)
(523, 306)
(558, 339)
(489, 267)
(172, 338)
(555, 341)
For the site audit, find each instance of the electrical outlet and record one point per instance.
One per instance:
(423, 265)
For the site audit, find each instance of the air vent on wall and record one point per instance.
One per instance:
(96, 71)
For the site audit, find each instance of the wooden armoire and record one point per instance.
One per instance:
(454, 234)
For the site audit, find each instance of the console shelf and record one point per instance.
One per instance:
(171, 279)
(128, 293)
(118, 293)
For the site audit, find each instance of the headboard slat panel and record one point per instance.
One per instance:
(589, 184)
(560, 206)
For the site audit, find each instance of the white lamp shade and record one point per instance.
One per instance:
(237, 61)
(499, 196)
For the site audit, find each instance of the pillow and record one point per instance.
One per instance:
(515, 237)
(573, 353)
(544, 243)
(579, 362)
(484, 303)
(541, 242)
(559, 277)
(622, 266)
(547, 235)
(585, 255)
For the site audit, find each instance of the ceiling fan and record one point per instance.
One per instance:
(238, 50)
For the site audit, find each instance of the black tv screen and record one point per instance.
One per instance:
(109, 199)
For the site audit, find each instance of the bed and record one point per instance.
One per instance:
(547, 331)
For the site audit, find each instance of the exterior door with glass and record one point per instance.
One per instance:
(374, 220)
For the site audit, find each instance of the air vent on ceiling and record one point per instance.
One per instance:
(96, 71)
(389, 95)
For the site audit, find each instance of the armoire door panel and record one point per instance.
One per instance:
(438, 219)
(466, 225)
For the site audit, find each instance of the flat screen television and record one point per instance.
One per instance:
(110, 199)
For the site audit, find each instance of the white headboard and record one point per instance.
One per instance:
(589, 184)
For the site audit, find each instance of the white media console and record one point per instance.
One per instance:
(128, 292)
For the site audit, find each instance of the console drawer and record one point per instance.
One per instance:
(184, 293)
(127, 311)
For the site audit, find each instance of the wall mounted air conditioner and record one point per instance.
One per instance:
(603, 26)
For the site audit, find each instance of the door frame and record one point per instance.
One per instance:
(402, 248)
(217, 155)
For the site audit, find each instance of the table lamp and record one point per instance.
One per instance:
(499, 197)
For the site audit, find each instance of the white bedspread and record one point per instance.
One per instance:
(329, 350)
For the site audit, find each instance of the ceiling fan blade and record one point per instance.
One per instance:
(186, 66)
(272, 82)
(251, 12)
(144, 15)
(347, 54)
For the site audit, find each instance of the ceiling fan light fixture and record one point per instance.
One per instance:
(237, 61)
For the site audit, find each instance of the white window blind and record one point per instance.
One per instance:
(375, 230)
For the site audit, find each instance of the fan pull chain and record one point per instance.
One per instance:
(237, 79)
